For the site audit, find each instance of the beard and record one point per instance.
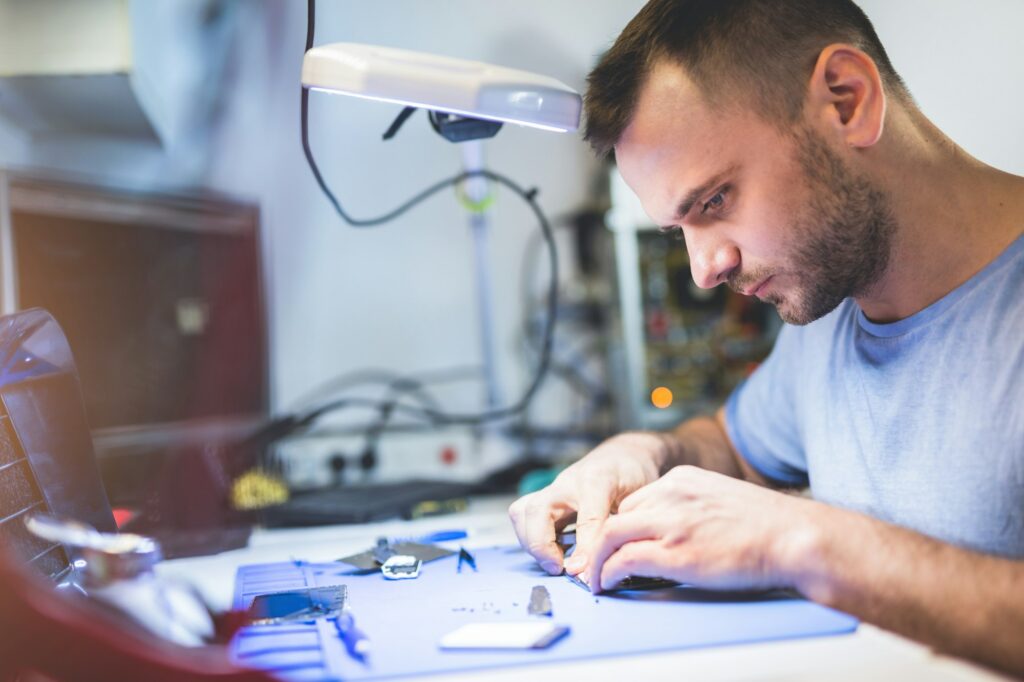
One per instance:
(842, 243)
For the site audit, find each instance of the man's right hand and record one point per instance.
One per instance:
(588, 491)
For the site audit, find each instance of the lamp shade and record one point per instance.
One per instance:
(456, 86)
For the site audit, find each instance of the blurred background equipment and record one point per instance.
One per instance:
(146, 77)
(59, 636)
(73, 70)
(55, 566)
(680, 349)
(161, 297)
(47, 463)
(466, 102)
(116, 569)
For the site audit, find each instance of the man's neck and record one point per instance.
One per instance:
(955, 216)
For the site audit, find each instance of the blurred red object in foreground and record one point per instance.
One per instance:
(58, 636)
(124, 516)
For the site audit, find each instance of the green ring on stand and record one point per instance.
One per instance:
(474, 205)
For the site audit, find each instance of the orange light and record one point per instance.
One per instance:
(661, 397)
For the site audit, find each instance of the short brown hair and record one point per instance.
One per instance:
(763, 50)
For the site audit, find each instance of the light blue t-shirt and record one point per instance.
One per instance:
(919, 422)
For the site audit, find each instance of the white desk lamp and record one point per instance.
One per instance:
(468, 101)
(454, 86)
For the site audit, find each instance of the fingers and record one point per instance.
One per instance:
(645, 558)
(533, 519)
(632, 501)
(594, 507)
(617, 531)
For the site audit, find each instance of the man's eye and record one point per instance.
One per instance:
(714, 203)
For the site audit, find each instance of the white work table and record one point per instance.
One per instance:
(868, 654)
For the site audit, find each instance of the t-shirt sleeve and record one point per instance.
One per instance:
(761, 415)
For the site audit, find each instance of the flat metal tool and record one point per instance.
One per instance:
(633, 582)
(372, 559)
(540, 602)
(576, 580)
(356, 642)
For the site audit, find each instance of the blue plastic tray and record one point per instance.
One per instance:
(404, 620)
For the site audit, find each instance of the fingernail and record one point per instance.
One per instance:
(574, 563)
(551, 567)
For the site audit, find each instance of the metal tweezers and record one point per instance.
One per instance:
(465, 558)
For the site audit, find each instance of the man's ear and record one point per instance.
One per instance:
(846, 95)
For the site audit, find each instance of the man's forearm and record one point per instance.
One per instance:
(960, 602)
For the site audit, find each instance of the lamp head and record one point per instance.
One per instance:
(465, 88)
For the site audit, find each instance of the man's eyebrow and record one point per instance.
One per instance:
(694, 195)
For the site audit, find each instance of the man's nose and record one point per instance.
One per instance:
(712, 259)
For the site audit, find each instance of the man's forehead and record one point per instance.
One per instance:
(672, 143)
(676, 141)
(668, 99)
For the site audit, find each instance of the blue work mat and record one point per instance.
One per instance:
(405, 619)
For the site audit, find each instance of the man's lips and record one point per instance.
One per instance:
(756, 291)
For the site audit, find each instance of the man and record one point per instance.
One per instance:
(778, 138)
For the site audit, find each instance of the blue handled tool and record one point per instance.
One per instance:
(443, 536)
(356, 642)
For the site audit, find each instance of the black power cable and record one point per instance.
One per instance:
(433, 414)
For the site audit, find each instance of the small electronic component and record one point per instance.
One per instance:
(540, 602)
(401, 567)
(298, 605)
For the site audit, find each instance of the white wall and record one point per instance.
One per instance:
(401, 296)
(964, 64)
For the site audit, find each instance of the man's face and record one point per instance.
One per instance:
(780, 216)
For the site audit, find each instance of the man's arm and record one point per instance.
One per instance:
(703, 442)
(714, 531)
(960, 602)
